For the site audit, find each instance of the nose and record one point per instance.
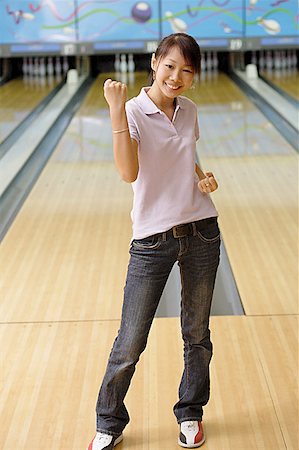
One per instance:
(175, 75)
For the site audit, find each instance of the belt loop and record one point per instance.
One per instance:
(194, 228)
(164, 236)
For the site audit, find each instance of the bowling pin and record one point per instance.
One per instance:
(123, 64)
(30, 67)
(269, 62)
(131, 64)
(277, 63)
(215, 61)
(177, 25)
(65, 65)
(117, 63)
(209, 62)
(57, 66)
(25, 66)
(42, 68)
(50, 67)
(294, 59)
(289, 59)
(203, 62)
(261, 60)
(283, 60)
(36, 67)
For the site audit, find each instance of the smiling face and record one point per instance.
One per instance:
(173, 75)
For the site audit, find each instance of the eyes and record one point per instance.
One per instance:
(170, 66)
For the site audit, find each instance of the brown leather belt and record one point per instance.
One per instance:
(183, 230)
(189, 229)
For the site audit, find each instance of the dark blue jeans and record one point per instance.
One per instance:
(150, 263)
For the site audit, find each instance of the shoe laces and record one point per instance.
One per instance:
(192, 425)
(102, 438)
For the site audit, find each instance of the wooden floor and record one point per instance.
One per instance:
(51, 373)
(17, 99)
(63, 265)
(289, 82)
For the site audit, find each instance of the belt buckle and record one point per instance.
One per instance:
(180, 231)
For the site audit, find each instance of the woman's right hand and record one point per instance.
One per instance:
(115, 93)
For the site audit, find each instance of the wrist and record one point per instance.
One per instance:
(118, 119)
(123, 130)
(117, 110)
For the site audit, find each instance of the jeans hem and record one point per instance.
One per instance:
(185, 419)
(110, 433)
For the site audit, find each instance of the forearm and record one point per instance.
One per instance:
(124, 150)
(199, 172)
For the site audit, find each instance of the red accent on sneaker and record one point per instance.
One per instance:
(90, 445)
(199, 435)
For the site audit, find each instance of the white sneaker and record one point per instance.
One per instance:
(103, 441)
(191, 434)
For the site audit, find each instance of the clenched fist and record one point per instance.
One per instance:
(115, 93)
(208, 184)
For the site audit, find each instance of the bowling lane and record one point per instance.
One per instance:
(78, 212)
(51, 374)
(74, 230)
(230, 124)
(257, 196)
(288, 81)
(18, 98)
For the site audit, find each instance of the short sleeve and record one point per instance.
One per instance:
(132, 124)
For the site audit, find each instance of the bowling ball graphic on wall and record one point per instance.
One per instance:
(141, 12)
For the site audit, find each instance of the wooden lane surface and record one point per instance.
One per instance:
(257, 205)
(231, 125)
(248, 408)
(17, 100)
(51, 374)
(257, 199)
(65, 257)
(288, 81)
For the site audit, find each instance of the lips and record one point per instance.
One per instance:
(173, 88)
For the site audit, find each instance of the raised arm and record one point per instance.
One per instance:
(125, 149)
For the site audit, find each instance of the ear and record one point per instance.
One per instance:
(153, 62)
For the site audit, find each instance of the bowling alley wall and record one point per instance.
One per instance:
(79, 27)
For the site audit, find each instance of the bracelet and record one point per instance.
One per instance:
(120, 131)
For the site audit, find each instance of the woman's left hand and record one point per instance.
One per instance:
(208, 184)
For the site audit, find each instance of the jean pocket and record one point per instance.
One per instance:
(208, 231)
(150, 242)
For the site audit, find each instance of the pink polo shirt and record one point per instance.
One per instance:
(165, 191)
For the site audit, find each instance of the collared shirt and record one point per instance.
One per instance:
(165, 192)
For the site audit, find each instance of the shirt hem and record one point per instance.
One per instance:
(166, 228)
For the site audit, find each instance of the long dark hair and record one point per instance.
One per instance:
(188, 47)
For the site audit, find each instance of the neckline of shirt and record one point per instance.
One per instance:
(149, 107)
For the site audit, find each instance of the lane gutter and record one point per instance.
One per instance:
(15, 195)
(283, 93)
(26, 122)
(287, 130)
